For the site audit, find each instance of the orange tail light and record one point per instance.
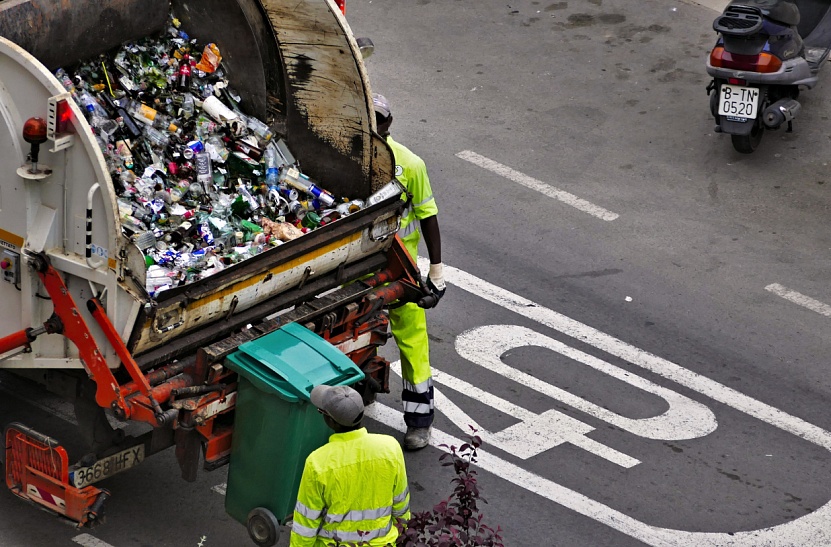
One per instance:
(764, 63)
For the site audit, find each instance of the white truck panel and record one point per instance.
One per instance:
(49, 214)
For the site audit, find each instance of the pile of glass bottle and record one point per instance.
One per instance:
(200, 185)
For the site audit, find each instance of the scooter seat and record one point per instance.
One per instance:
(783, 11)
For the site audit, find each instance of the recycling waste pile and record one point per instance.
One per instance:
(200, 185)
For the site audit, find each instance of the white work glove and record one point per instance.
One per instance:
(435, 280)
(436, 276)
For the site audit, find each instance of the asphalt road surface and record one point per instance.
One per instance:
(637, 316)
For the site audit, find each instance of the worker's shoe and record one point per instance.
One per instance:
(417, 438)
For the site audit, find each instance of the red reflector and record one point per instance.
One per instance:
(736, 81)
(63, 118)
(341, 5)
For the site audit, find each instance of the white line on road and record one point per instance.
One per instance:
(535, 433)
(808, 530)
(220, 488)
(812, 529)
(538, 185)
(798, 298)
(613, 346)
(90, 541)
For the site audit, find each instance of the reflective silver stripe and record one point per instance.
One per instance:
(418, 408)
(306, 512)
(355, 536)
(423, 387)
(401, 512)
(358, 515)
(402, 496)
(303, 531)
(409, 228)
(422, 202)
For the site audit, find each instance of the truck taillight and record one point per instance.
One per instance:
(342, 5)
(63, 118)
(765, 63)
(59, 126)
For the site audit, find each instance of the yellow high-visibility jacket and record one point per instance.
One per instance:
(412, 173)
(352, 490)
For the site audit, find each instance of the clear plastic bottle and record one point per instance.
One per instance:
(156, 138)
(217, 149)
(152, 117)
(65, 80)
(272, 169)
(91, 106)
(188, 107)
(259, 129)
(245, 193)
(205, 127)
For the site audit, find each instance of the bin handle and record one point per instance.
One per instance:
(328, 351)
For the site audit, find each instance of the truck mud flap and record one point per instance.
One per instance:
(37, 470)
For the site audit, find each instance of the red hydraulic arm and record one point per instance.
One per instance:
(67, 320)
(136, 400)
(17, 340)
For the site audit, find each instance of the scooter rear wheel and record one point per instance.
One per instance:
(746, 144)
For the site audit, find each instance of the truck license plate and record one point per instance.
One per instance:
(108, 466)
(738, 101)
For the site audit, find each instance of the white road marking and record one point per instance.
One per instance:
(812, 529)
(613, 346)
(90, 541)
(684, 418)
(533, 435)
(538, 185)
(798, 298)
(220, 488)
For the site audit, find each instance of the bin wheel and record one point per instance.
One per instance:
(263, 527)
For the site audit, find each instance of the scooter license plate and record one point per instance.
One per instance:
(738, 101)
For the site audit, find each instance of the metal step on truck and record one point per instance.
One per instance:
(77, 319)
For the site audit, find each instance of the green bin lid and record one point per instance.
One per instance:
(290, 361)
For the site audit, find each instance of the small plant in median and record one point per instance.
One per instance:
(456, 521)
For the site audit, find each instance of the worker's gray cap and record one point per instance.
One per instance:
(341, 403)
(381, 104)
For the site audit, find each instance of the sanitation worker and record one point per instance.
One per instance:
(354, 487)
(409, 322)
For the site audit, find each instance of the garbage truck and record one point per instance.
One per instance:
(78, 320)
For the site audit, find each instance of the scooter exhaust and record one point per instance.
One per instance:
(783, 110)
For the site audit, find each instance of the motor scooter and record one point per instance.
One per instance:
(766, 52)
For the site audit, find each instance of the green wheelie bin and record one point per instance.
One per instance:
(276, 427)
